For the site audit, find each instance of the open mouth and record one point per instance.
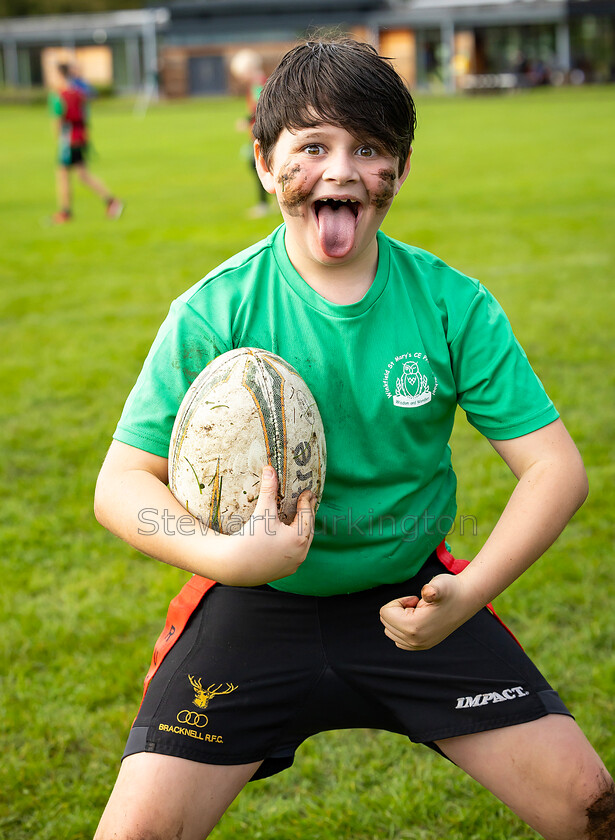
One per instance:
(337, 204)
(337, 221)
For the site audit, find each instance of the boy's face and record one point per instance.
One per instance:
(334, 192)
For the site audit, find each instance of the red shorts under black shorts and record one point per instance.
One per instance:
(256, 671)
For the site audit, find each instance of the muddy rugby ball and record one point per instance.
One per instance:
(248, 408)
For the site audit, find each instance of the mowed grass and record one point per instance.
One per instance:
(517, 191)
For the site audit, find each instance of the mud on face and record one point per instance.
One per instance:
(386, 189)
(294, 193)
(293, 190)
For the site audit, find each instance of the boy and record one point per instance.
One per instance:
(69, 104)
(355, 621)
(247, 67)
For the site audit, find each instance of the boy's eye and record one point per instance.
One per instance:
(366, 151)
(313, 149)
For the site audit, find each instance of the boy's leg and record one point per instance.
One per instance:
(92, 182)
(547, 772)
(114, 205)
(63, 189)
(160, 797)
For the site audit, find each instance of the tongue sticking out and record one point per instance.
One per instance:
(336, 230)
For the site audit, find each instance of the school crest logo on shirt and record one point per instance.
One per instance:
(409, 380)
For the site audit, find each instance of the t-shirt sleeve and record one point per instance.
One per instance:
(496, 385)
(55, 104)
(184, 345)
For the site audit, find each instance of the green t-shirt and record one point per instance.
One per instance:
(55, 105)
(387, 373)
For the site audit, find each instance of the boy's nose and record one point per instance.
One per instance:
(340, 168)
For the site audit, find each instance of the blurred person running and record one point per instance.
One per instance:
(69, 104)
(247, 68)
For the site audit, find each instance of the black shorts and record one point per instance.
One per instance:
(73, 155)
(257, 671)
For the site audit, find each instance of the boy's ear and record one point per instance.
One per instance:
(405, 172)
(262, 169)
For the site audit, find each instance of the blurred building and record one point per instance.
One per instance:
(114, 49)
(184, 48)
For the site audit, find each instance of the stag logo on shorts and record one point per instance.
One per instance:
(192, 722)
(409, 380)
(202, 696)
(491, 697)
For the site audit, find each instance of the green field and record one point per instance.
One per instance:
(518, 191)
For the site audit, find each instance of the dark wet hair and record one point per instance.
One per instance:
(341, 82)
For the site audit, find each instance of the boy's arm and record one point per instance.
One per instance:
(133, 501)
(56, 111)
(551, 486)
